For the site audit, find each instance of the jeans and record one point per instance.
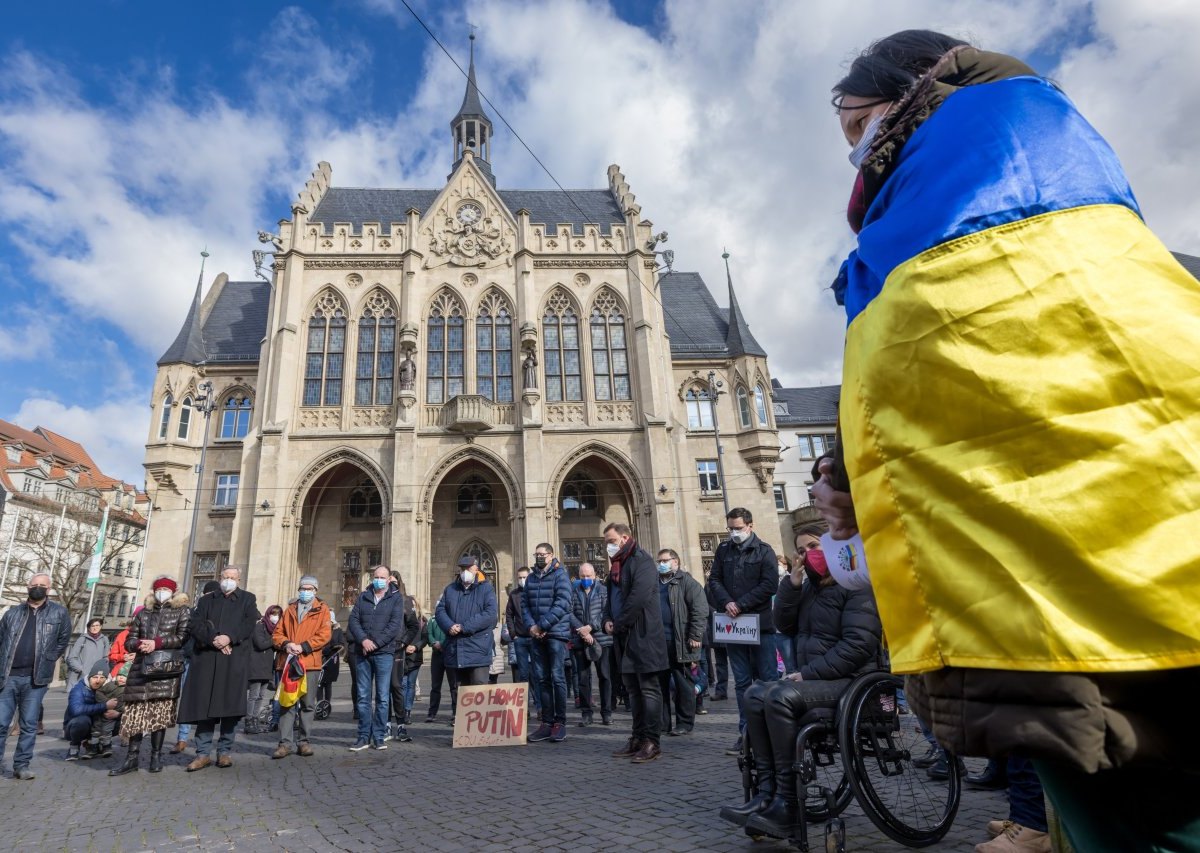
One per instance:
(1127, 809)
(645, 703)
(259, 696)
(603, 675)
(751, 664)
(787, 651)
(19, 698)
(185, 729)
(524, 650)
(373, 727)
(679, 693)
(78, 729)
(409, 683)
(301, 712)
(549, 669)
(204, 735)
(437, 670)
(1026, 800)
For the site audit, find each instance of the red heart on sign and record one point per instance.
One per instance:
(728, 627)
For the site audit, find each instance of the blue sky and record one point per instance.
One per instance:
(135, 134)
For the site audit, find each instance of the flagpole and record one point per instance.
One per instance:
(57, 539)
(8, 556)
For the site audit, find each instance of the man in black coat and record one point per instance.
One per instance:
(744, 577)
(636, 623)
(214, 694)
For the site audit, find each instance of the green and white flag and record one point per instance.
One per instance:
(98, 553)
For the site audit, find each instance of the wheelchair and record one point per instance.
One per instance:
(862, 751)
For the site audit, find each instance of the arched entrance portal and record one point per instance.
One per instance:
(341, 534)
(472, 514)
(593, 494)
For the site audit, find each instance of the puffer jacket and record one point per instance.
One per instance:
(52, 633)
(591, 608)
(747, 574)
(546, 601)
(689, 614)
(380, 623)
(836, 633)
(475, 609)
(82, 701)
(168, 625)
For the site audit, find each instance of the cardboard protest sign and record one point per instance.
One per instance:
(491, 715)
(735, 629)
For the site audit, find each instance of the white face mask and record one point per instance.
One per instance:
(859, 152)
(228, 585)
(162, 596)
(467, 576)
(521, 582)
(739, 536)
(612, 549)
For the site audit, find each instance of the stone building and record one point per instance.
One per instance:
(464, 369)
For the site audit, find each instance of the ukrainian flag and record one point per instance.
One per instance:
(1021, 401)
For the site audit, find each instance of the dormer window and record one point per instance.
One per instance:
(44, 464)
(13, 451)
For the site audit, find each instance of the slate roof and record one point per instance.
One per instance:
(1190, 263)
(697, 327)
(471, 107)
(231, 331)
(549, 208)
(806, 406)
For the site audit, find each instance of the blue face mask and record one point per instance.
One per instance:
(664, 568)
(586, 583)
(307, 595)
(380, 584)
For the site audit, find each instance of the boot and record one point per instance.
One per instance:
(765, 772)
(156, 745)
(778, 820)
(131, 757)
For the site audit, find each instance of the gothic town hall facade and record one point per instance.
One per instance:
(436, 372)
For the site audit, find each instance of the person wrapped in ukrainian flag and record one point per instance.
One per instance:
(1020, 428)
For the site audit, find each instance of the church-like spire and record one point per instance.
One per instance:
(738, 340)
(189, 343)
(471, 128)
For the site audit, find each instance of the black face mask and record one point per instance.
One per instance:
(539, 561)
(37, 593)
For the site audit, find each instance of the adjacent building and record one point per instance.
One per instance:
(53, 498)
(464, 369)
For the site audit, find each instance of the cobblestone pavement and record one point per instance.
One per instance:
(423, 796)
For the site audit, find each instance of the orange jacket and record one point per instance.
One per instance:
(312, 633)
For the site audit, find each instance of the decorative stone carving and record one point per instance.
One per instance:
(336, 457)
(408, 373)
(350, 263)
(468, 230)
(614, 412)
(370, 416)
(320, 418)
(564, 413)
(582, 279)
(529, 371)
(585, 263)
(379, 304)
(353, 280)
(469, 279)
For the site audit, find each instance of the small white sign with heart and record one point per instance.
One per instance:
(736, 629)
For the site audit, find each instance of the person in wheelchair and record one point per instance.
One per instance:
(836, 636)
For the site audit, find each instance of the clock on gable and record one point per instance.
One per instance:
(469, 214)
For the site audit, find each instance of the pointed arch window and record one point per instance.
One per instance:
(164, 420)
(743, 403)
(376, 352)
(235, 416)
(364, 502)
(699, 408)
(325, 361)
(445, 365)
(185, 419)
(760, 405)
(560, 343)
(494, 350)
(610, 358)
(579, 496)
(474, 497)
(483, 554)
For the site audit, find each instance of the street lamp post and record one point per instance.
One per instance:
(205, 404)
(714, 391)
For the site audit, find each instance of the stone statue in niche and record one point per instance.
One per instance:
(408, 373)
(529, 369)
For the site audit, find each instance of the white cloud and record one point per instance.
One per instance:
(118, 452)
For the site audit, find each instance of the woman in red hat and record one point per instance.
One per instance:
(150, 699)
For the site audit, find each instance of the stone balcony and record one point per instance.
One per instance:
(469, 414)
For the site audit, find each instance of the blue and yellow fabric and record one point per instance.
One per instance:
(1021, 400)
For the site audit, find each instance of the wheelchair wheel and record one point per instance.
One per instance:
(877, 749)
(323, 710)
(830, 775)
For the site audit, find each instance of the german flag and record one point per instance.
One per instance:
(1021, 399)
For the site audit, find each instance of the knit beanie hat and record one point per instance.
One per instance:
(309, 580)
(100, 667)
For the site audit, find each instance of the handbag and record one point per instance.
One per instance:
(163, 663)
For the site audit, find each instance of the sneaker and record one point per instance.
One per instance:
(431, 718)
(389, 734)
(930, 758)
(584, 723)
(379, 745)
(1016, 839)
(680, 731)
(92, 751)
(736, 749)
(359, 745)
(543, 733)
(73, 753)
(701, 711)
(106, 749)
(402, 735)
(23, 774)
(606, 721)
(558, 733)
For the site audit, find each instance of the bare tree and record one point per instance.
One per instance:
(34, 549)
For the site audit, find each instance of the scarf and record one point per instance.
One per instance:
(614, 570)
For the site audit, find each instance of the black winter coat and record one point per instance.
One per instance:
(169, 624)
(475, 609)
(836, 633)
(689, 615)
(216, 682)
(638, 627)
(380, 623)
(262, 660)
(331, 666)
(591, 609)
(514, 618)
(52, 634)
(746, 574)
